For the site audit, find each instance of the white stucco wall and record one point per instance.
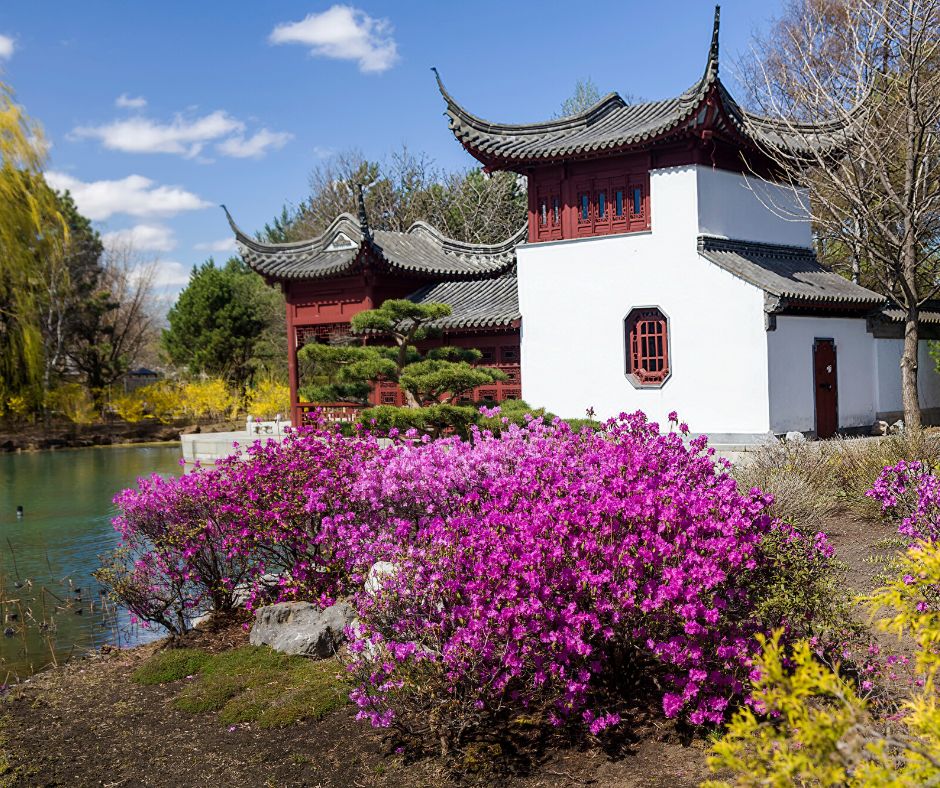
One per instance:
(748, 209)
(574, 296)
(887, 353)
(792, 389)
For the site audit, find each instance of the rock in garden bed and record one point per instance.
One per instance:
(302, 628)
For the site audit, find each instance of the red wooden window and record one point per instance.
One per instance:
(637, 198)
(324, 333)
(584, 209)
(647, 341)
(611, 204)
(548, 212)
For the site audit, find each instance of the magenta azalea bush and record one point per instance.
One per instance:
(511, 577)
(241, 533)
(910, 493)
(523, 562)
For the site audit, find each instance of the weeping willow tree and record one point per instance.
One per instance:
(33, 236)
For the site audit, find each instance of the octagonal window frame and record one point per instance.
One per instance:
(629, 321)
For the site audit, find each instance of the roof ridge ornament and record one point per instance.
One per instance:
(443, 91)
(240, 235)
(363, 216)
(711, 71)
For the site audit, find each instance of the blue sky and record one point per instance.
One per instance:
(158, 112)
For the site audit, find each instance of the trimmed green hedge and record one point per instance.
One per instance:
(436, 420)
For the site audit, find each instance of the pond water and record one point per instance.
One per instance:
(50, 605)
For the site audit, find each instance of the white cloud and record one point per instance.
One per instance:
(134, 195)
(255, 146)
(7, 45)
(130, 102)
(143, 135)
(143, 238)
(186, 136)
(343, 33)
(220, 246)
(170, 275)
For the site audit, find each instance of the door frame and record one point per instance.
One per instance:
(835, 353)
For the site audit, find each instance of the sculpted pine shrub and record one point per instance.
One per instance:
(519, 566)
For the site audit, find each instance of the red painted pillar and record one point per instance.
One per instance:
(292, 380)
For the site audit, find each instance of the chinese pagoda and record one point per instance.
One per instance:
(351, 267)
(664, 267)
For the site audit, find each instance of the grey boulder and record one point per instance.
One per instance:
(302, 628)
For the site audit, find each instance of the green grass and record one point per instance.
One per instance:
(171, 665)
(250, 684)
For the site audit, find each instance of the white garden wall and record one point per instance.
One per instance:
(748, 209)
(887, 353)
(574, 296)
(730, 377)
(792, 388)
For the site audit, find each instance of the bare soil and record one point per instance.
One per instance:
(89, 724)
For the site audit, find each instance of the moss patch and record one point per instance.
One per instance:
(171, 665)
(250, 684)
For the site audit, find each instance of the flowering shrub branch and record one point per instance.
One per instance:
(524, 560)
(518, 566)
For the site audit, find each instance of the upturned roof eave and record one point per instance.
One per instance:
(483, 139)
(445, 259)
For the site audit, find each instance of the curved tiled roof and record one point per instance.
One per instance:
(419, 251)
(613, 125)
(788, 272)
(478, 304)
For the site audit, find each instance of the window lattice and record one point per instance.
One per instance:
(647, 346)
(324, 333)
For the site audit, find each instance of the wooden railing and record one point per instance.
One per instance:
(331, 412)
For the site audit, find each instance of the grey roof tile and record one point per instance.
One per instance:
(929, 314)
(613, 125)
(420, 251)
(477, 304)
(790, 272)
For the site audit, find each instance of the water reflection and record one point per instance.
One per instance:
(50, 606)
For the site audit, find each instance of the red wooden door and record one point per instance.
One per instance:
(827, 393)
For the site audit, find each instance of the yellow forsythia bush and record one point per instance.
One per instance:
(73, 402)
(162, 401)
(129, 407)
(268, 399)
(208, 399)
(816, 730)
(17, 405)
